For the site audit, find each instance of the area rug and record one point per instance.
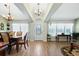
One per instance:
(66, 51)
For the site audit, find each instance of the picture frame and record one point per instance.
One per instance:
(1, 26)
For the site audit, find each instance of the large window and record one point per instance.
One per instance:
(52, 29)
(58, 28)
(23, 27)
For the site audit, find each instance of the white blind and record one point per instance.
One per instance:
(23, 27)
(58, 28)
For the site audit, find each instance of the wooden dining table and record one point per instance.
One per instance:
(64, 35)
(16, 38)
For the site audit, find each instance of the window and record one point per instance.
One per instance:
(16, 27)
(68, 28)
(23, 27)
(52, 29)
(58, 28)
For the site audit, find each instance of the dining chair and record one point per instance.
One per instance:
(11, 33)
(1, 39)
(18, 33)
(6, 38)
(12, 42)
(24, 41)
(3, 46)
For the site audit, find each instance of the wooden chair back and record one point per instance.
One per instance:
(19, 34)
(1, 39)
(25, 37)
(5, 37)
(11, 33)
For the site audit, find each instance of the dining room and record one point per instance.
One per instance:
(14, 30)
(39, 29)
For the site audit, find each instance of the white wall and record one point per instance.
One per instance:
(31, 31)
(76, 25)
(4, 21)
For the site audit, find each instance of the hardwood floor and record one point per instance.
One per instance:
(40, 48)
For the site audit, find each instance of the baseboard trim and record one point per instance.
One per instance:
(45, 40)
(38, 40)
(31, 40)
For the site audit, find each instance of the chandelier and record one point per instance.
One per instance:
(9, 17)
(38, 11)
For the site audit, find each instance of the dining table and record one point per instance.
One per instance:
(16, 39)
(68, 37)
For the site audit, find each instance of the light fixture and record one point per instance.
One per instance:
(38, 11)
(9, 17)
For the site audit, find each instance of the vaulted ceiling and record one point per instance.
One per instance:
(17, 13)
(66, 12)
(25, 11)
(49, 11)
(44, 8)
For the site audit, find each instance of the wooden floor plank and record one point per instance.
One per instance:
(40, 48)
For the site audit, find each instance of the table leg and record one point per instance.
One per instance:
(17, 46)
(57, 39)
(9, 48)
(67, 39)
(70, 39)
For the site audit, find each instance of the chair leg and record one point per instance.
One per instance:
(9, 49)
(27, 43)
(25, 46)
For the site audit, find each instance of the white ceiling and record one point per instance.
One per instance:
(25, 11)
(32, 7)
(16, 13)
(54, 11)
(67, 11)
(43, 7)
